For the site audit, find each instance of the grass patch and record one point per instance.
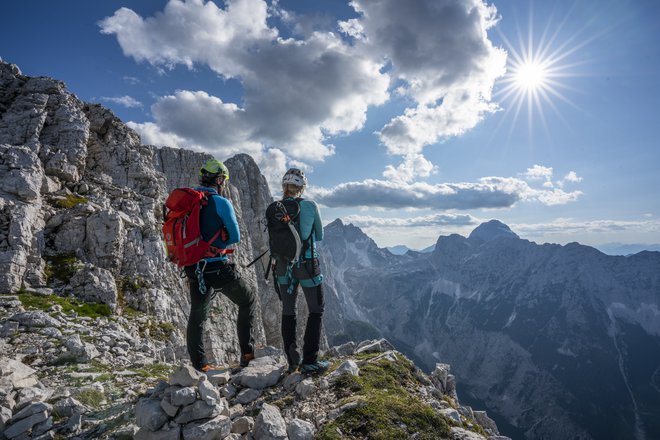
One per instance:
(61, 267)
(155, 371)
(284, 402)
(69, 201)
(158, 330)
(91, 397)
(129, 284)
(91, 310)
(387, 410)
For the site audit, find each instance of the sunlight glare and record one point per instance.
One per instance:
(530, 75)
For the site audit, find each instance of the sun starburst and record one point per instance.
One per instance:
(538, 72)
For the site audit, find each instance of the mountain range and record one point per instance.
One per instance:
(557, 341)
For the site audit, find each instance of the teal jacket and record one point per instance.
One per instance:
(310, 226)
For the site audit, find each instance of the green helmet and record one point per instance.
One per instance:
(213, 167)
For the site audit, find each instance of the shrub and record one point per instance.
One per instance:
(61, 267)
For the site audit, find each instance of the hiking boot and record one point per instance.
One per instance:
(245, 359)
(208, 367)
(292, 369)
(317, 367)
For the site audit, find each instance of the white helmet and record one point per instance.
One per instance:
(294, 176)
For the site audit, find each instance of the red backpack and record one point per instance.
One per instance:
(184, 244)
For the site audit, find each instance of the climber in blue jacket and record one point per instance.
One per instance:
(217, 273)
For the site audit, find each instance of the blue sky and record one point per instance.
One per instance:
(405, 115)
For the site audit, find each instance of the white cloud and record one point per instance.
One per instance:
(413, 167)
(131, 80)
(273, 164)
(539, 172)
(426, 125)
(126, 101)
(297, 92)
(151, 134)
(440, 50)
(352, 28)
(572, 226)
(572, 177)
(420, 221)
(487, 192)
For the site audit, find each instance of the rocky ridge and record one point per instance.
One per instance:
(65, 375)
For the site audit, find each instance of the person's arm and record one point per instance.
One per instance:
(310, 220)
(225, 211)
(318, 224)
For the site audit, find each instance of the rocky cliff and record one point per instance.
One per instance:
(81, 209)
(558, 341)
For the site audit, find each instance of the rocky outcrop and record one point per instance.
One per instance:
(81, 209)
(65, 375)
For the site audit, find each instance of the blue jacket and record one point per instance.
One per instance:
(217, 214)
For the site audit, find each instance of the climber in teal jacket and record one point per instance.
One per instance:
(216, 274)
(306, 272)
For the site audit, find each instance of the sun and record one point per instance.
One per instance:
(531, 75)
(538, 73)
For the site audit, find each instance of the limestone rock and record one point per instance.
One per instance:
(464, 434)
(261, 373)
(74, 424)
(81, 351)
(13, 370)
(31, 410)
(291, 380)
(198, 410)
(95, 285)
(183, 396)
(35, 319)
(305, 388)
(298, 429)
(375, 346)
(486, 422)
(24, 425)
(451, 414)
(163, 434)
(217, 428)
(208, 392)
(242, 425)
(149, 414)
(349, 366)
(236, 411)
(170, 410)
(218, 378)
(270, 424)
(186, 376)
(248, 395)
(346, 349)
(68, 406)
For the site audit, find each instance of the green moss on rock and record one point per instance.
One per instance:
(61, 267)
(69, 201)
(385, 407)
(39, 302)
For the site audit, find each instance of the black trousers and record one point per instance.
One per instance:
(218, 276)
(315, 304)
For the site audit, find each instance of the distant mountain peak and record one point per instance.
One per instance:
(336, 222)
(491, 230)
